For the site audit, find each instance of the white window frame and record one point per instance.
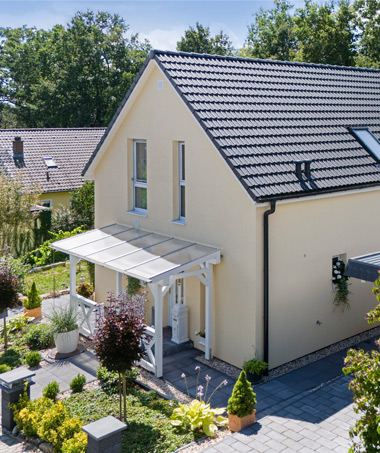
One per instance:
(137, 183)
(181, 181)
(46, 201)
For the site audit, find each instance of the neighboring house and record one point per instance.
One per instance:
(251, 163)
(53, 159)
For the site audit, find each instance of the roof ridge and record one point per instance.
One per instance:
(260, 60)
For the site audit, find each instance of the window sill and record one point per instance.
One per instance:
(138, 213)
(179, 222)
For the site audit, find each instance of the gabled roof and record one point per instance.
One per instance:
(69, 149)
(265, 115)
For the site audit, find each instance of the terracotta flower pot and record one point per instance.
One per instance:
(236, 423)
(66, 342)
(33, 313)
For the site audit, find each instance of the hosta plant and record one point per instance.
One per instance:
(198, 416)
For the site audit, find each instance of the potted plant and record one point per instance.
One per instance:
(32, 304)
(65, 330)
(241, 406)
(254, 369)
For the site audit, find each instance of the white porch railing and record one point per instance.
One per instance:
(87, 307)
(148, 341)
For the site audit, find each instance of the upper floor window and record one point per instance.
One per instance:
(368, 140)
(181, 177)
(139, 176)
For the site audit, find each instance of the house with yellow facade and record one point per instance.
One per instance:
(52, 159)
(231, 188)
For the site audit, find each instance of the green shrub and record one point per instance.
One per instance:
(78, 444)
(254, 366)
(39, 336)
(33, 359)
(4, 368)
(17, 267)
(29, 418)
(51, 390)
(133, 285)
(64, 320)
(85, 289)
(11, 357)
(18, 323)
(110, 379)
(77, 383)
(243, 399)
(34, 299)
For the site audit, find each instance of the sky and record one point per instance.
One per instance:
(161, 22)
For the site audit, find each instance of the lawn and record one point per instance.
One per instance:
(45, 279)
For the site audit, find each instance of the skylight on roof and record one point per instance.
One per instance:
(50, 162)
(367, 140)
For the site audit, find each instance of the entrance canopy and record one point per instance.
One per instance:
(365, 267)
(147, 256)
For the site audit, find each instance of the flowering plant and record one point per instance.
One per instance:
(340, 281)
(198, 415)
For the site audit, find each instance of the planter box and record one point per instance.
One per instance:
(66, 342)
(33, 313)
(254, 378)
(236, 423)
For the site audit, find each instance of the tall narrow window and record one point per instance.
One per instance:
(139, 176)
(182, 184)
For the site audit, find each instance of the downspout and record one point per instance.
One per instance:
(266, 278)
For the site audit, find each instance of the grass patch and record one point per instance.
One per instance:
(148, 419)
(45, 278)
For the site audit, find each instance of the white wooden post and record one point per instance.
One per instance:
(119, 283)
(73, 281)
(158, 343)
(209, 312)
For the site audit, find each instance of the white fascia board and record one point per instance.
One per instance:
(121, 117)
(205, 134)
(319, 197)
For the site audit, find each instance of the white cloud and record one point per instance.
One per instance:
(164, 39)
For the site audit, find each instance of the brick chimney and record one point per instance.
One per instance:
(18, 147)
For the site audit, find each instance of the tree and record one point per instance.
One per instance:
(199, 40)
(73, 76)
(272, 34)
(82, 205)
(367, 23)
(325, 34)
(9, 298)
(118, 338)
(16, 218)
(366, 388)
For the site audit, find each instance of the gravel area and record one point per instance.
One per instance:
(234, 372)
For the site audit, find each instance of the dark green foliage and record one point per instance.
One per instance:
(243, 399)
(367, 22)
(39, 336)
(82, 205)
(365, 367)
(17, 266)
(34, 299)
(91, 271)
(199, 40)
(110, 379)
(9, 298)
(85, 289)
(11, 357)
(133, 285)
(341, 282)
(70, 76)
(77, 383)
(51, 390)
(42, 226)
(33, 359)
(254, 366)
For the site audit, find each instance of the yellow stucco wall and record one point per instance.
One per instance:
(57, 198)
(304, 236)
(219, 213)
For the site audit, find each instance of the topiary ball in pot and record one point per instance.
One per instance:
(241, 405)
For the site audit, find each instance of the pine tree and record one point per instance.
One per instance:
(34, 299)
(243, 399)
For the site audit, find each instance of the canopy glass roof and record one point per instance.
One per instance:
(365, 267)
(147, 256)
